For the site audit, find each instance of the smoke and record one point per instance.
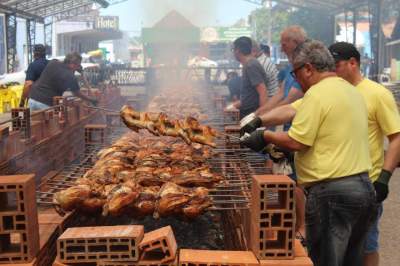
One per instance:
(199, 12)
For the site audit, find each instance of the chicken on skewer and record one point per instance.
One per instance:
(189, 129)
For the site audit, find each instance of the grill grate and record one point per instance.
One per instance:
(236, 165)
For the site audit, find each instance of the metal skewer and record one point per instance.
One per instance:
(102, 109)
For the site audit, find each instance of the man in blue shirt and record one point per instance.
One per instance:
(34, 71)
(290, 89)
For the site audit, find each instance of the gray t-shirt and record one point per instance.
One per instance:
(54, 81)
(253, 74)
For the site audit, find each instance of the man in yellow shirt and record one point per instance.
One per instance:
(383, 121)
(330, 136)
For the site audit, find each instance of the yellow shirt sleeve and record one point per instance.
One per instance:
(387, 113)
(296, 104)
(307, 121)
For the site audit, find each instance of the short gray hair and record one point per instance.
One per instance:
(295, 33)
(315, 53)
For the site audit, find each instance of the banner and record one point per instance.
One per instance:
(224, 34)
(107, 23)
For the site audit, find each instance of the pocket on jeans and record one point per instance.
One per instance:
(342, 218)
(313, 222)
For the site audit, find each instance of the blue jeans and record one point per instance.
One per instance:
(35, 105)
(372, 242)
(339, 214)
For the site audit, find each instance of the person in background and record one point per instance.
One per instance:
(269, 67)
(265, 48)
(254, 93)
(234, 83)
(341, 202)
(289, 90)
(34, 71)
(365, 65)
(383, 121)
(57, 78)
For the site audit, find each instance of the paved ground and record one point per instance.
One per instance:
(390, 225)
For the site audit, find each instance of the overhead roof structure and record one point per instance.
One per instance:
(42, 11)
(38, 10)
(334, 6)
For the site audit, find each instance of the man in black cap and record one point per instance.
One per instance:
(383, 121)
(57, 78)
(34, 71)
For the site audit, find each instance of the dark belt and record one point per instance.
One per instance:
(309, 186)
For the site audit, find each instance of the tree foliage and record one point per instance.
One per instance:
(316, 23)
(261, 19)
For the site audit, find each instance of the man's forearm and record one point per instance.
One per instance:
(271, 104)
(392, 155)
(278, 116)
(27, 89)
(237, 104)
(282, 139)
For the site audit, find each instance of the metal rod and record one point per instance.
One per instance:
(227, 208)
(230, 201)
(228, 135)
(101, 109)
(229, 196)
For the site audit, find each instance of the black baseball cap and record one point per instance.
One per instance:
(344, 51)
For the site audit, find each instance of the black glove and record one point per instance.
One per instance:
(381, 185)
(254, 141)
(278, 154)
(251, 126)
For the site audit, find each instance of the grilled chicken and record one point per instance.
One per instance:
(146, 177)
(119, 199)
(189, 129)
(70, 198)
(176, 200)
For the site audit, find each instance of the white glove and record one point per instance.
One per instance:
(247, 119)
(230, 107)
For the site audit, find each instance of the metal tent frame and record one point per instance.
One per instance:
(335, 7)
(40, 11)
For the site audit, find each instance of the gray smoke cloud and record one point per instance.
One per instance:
(199, 12)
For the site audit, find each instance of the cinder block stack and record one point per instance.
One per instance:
(21, 121)
(272, 232)
(231, 117)
(301, 258)
(113, 120)
(139, 263)
(232, 130)
(158, 246)
(19, 231)
(92, 244)
(219, 102)
(191, 257)
(95, 134)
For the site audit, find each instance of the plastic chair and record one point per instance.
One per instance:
(5, 101)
